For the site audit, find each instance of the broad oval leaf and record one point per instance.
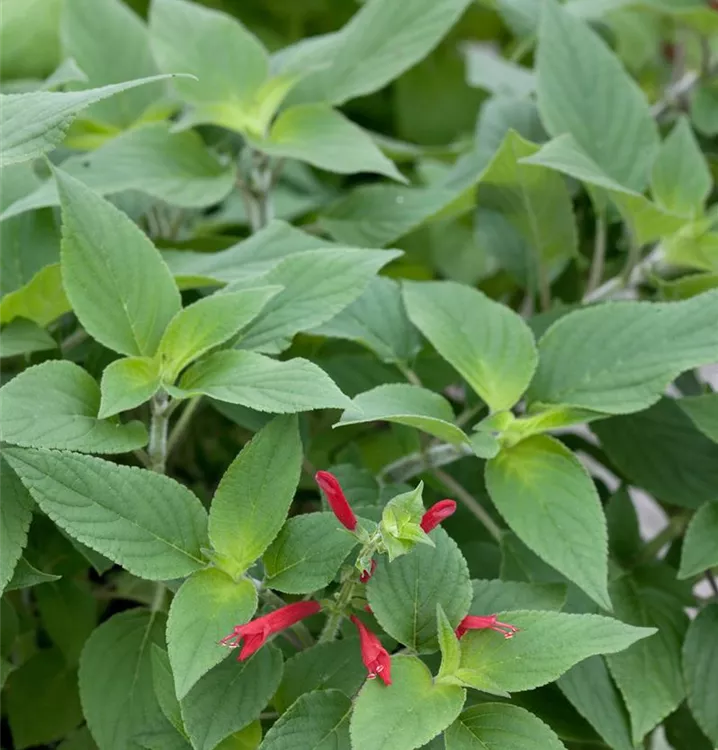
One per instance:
(128, 382)
(700, 550)
(15, 518)
(499, 596)
(700, 667)
(41, 300)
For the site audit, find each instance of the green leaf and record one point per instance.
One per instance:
(55, 405)
(110, 44)
(487, 69)
(448, 644)
(608, 358)
(700, 551)
(404, 594)
(661, 450)
(207, 323)
(148, 523)
(165, 688)
(119, 286)
(176, 168)
(486, 342)
(32, 124)
(700, 667)
(261, 383)
(334, 665)
(681, 179)
(204, 610)
(649, 673)
(549, 500)
(42, 300)
(500, 726)
(116, 689)
(703, 411)
(546, 646)
(15, 518)
(22, 336)
(400, 526)
(253, 498)
(26, 575)
(324, 138)
(231, 696)
(499, 596)
(128, 382)
(572, 60)
(317, 720)
(41, 700)
(405, 404)
(406, 714)
(317, 285)
(307, 553)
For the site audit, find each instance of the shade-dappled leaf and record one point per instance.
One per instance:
(261, 383)
(204, 610)
(334, 665)
(31, 124)
(573, 60)
(403, 594)
(549, 500)
(253, 498)
(148, 523)
(406, 714)
(22, 336)
(499, 596)
(165, 688)
(700, 550)
(487, 343)
(27, 575)
(307, 553)
(405, 404)
(207, 323)
(619, 357)
(55, 405)
(500, 726)
(546, 646)
(119, 286)
(319, 720)
(681, 179)
(116, 689)
(703, 411)
(700, 667)
(648, 674)
(127, 383)
(662, 451)
(230, 696)
(317, 285)
(42, 300)
(15, 517)
(175, 168)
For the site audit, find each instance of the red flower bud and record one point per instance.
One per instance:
(489, 622)
(336, 499)
(256, 632)
(375, 657)
(436, 514)
(367, 574)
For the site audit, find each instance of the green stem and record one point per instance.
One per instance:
(182, 423)
(331, 627)
(409, 466)
(674, 529)
(159, 423)
(470, 502)
(599, 255)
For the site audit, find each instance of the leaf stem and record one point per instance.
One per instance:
(599, 254)
(674, 529)
(470, 502)
(182, 423)
(416, 463)
(346, 592)
(159, 423)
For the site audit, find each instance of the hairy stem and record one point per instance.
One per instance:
(331, 627)
(159, 423)
(599, 255)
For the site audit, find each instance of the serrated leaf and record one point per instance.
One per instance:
(15, 518)
(406, 714)
(55, 405)
(404, 594)
(230, 696)
(204, 610)
(486, 342)
(22, 336)
(116, 689)
(42, 300)
(499, 596)
(26, 575)
(700, 551)
(334, 665)
(307, 553)
(128, 382)
(32, 124)
(549, 500)
(165, 688)
(546, 646)
(261, 383)
(571, 61)
(448, 644)
(500, 726)
(253, 498)
(119, 286)
(405, 404)
(619, 357)
(148, 523)
(703, 411)
(700, 664)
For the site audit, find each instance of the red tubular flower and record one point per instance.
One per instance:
(375, 657)
(488, 622)
(336, 499)
(256, 632)
(367, 574)
(436, 514)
